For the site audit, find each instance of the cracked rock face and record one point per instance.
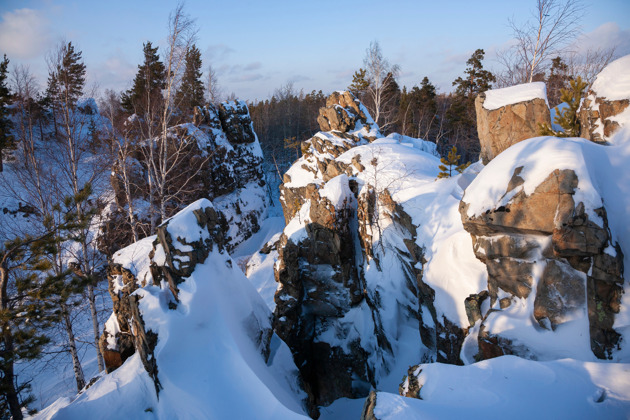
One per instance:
(501, 128)
(597, 117)
(547, 243)
(225, 148)
(167, 260)
(326, 311)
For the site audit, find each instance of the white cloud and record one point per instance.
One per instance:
(24, 33)
(605, 36)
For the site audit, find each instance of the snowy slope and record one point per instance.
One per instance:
(208, 351)
(514, 387)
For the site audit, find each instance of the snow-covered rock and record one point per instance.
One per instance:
(538, 218)
(223, 163)
(201, 333)
(510, 115)
(605, 109)
(349, 265)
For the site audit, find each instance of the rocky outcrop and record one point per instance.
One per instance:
(509, 124)
(597, 117)
(327, 311)
(609, 97)
(341, 113)
(166, 261)
(546, 244)
(222, 162)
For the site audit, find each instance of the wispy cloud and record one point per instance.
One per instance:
(253, 66)
(24, 33)
(605, 36)
(218, 52)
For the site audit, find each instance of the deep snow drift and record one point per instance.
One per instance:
(208, 352)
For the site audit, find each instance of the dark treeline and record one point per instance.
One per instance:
(283, 122)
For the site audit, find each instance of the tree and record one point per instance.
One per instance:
(567, 118)
(21, 322)
(557, 80)
(68, 72)
(147, 85)
(552, 27)
(476, 80)
(359, 85)
(191, 89)
(461, 115)
(6, 139)
(382, 91)
(418, 110)
(450, 163)
(213, 90)
(27, 306)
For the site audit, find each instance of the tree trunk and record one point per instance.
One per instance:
(92, 299)
(76, 364)
(8, 376)
(6, 356)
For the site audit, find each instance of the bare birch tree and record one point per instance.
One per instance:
(213, 90)
(381, 76)
(77, 166)
(553, 26)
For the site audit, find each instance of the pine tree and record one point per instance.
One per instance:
(557, 80)
(476, 80)
(6, 139)
(191, 89)
(69, 76)
(461, 114)
(360, 84)
(451, 162)
(567, 118)
(27, 309)
(148, 83)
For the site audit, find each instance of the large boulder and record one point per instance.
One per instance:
(605, 108)
(510, 115)
(547, 243)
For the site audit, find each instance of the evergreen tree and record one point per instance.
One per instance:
(148, 83)
(450, 163)
(557, 80)
(360, 84)
(461, 114)
(476, 80)
(6, 139)
(191, 89)
(67, 79)
(567, 118)
(30, 297)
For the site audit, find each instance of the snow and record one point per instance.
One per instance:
(539, 157)
(134, 258)
(522, 389)
(208, 354)
(425, 146)
(498, 98)
(613, 83)
(337, 191)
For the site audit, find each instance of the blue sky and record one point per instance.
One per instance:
(258, 46)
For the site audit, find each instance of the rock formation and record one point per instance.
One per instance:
(223, 142)
(544, 246)
(329, 312)
(510, 115)
(606, 105)
(166, 260)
